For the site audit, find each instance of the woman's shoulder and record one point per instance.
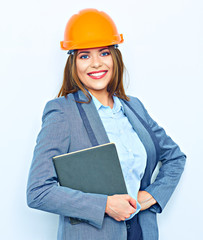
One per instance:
(60, 104)
(60, 101)
(137, 105)
(136, 102)
(133, 98)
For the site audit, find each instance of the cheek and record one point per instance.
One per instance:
(80, 68)
(79, 72)
(110, 64)
(111, 69)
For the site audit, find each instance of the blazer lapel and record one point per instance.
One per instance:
(147, 141)
(94, 119)
(138, 127)
(99, 132)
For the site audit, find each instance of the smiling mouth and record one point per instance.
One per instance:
(97, 75)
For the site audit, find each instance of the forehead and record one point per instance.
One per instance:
(97, 49)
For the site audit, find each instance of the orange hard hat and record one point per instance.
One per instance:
(88, 29)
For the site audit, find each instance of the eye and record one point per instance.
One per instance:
(105, 53)
(85, 56)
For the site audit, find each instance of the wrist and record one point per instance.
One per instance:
(146, 200)
(107, 204)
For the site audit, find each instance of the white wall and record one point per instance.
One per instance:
(163, 52)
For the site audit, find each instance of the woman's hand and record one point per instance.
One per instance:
(145, 200)
(120, 207)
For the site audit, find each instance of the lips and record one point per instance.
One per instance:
(97, 74)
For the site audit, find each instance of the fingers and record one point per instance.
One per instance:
(133, 202)
(132, 210)
(120, 207)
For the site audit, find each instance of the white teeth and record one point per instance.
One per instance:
(96, 74)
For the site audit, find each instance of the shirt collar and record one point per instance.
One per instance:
(97, 103)
(116, 106)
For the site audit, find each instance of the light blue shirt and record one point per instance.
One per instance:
(131, 151)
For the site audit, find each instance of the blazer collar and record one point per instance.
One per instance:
(102, 138)
(99, 130)
(94, 119)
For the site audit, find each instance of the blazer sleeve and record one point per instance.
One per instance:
(172, 165)
(43, 191)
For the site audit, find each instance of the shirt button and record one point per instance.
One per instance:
(129, 150)
(128, 226)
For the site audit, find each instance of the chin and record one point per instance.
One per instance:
(97, 89)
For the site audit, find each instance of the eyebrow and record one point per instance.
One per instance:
(89, 51)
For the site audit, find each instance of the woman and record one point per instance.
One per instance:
(92, 109)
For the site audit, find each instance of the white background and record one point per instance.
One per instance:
(163, 52)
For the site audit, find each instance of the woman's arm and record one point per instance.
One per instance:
(145, 200)
(43, 192)
(172, 165)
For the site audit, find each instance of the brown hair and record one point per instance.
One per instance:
(72, 83)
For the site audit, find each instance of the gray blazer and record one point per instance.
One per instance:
(65, 128)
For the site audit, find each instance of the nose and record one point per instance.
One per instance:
(96, 62)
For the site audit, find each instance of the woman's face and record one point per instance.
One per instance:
(95, 68)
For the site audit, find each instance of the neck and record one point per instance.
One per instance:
(103, 97)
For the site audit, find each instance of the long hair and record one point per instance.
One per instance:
(72, 83)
